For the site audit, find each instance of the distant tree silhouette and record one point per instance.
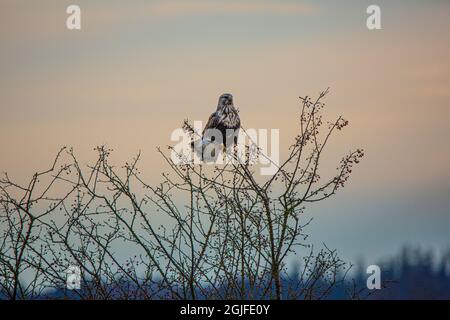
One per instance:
(418, 274)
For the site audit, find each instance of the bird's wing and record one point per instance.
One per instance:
(238, 122)
(213, 122)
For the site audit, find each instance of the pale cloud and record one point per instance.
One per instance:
(162, 10)
(182, 8)
(24, 21)
(432, 78)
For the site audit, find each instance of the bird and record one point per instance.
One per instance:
(226, 120)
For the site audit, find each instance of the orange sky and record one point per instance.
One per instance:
(136, 70)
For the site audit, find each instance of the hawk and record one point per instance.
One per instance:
(225, 119)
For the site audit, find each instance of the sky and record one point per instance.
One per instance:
(137, 69)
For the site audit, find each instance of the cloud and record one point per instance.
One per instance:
(432, 78)
(27, 21)
(110, 14)
(184, 8)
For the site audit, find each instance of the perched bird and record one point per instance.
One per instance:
(225, 119)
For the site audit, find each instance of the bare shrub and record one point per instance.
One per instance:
(205, 232)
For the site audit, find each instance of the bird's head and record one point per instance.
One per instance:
(225, 100)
